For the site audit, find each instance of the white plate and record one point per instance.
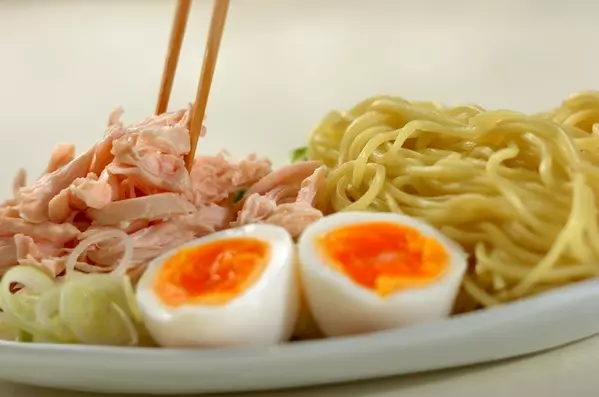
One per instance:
(531, 325)
(281, 68)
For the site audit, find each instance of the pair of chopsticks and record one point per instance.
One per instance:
(217, 25)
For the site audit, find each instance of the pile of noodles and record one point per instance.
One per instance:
(518, 192)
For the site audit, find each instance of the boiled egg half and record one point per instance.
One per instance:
(366, 272)
(238, 287)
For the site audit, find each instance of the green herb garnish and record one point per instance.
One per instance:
(24, 336)
(238, 196)
(299, 154)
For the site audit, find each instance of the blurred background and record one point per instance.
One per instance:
(283, 64)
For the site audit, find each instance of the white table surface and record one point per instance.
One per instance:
(283, 64)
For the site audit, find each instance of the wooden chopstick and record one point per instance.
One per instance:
(217, 24)
(172, 56)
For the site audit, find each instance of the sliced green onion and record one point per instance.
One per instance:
(19, 307)
(87, 309)
(130, 300)
(97, 309)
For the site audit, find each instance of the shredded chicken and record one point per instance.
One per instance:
(151, 208)
(135, 180)
(83, 193)
(19, 182)
(8, 253)
(213, 179)
(33, 200)
(291, 175)
(289, 203)
(61, 155)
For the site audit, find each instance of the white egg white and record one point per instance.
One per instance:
(342, 307)
(264, 314)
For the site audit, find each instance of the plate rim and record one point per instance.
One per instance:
(356, 344)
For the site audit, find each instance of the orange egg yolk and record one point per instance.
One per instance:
(212, 273)
(384, 257)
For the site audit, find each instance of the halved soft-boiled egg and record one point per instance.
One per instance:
(238, 287)
(366, 272)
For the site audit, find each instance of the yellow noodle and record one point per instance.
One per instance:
(518, 192)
